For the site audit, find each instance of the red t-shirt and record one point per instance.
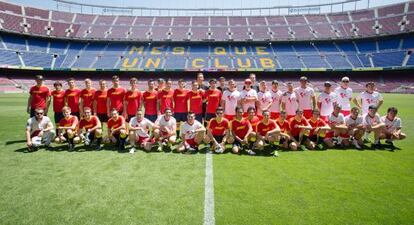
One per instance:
(39, 95)
(318, 123)
(196, 101)
(285, 127)
(68, 122)
(218, 128)
(116, 96)
(87, 97)
(166, 99)
(100, 98)
(213, 98)
(113, 124)
(254, 121)
(72, 98)
(133, 99)
(240, 128)
(150, 102)
(264, 128)
(180, 101)
(88, 124)
(296, 131)
(58, 100)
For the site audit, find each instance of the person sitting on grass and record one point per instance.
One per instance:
(373, 123)
(67, 129)
(90, 129)
(241, 130)
(192, 134)
(267, 132)
(338, 134)
(218, 131)
(318, 131)
(299, 129)
(165, 130)
(39, 130)
(285, 140)
(356, 129)
(139, 132)
(117, 130)
(393, 127)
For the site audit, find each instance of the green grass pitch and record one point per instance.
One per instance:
(311, 187)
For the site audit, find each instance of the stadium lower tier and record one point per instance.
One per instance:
(388, 52)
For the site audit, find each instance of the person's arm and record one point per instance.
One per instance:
(28, 139)
(108, 106)
(29, 103)
(380, 103)
(358, 102)
(314, 101)
(125, 106)
(49, 127)
(94, 106)
(81, 103)
(98, 126)
(48, 100)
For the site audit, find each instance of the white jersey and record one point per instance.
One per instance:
(248, 94)
(343, 96)
(35, 125)
(171, 124)
(349, 121)
(145, 124)
(265, 98)
(291, 103)
(276, 98)
(391, 126)
(189, 130)
(230, 98)
(327, 103)
(369, 99)
(372, 121)
(305, 96)
(336, 120)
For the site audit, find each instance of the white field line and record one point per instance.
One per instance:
(209, 192)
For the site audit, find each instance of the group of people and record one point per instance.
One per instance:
(217, 115)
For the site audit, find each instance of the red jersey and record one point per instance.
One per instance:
(150, 102)
(213, 98)
(284, 127)
(68, 122)
(100, 98)
(318, 123)
(254, 121)
(240, 127)
(296, 131)
(133, 99)
(72, 99)
(180, 101)
(166, 99)
(113, 124)
(116, 96)
(196, 101)
(58, 100)
(218, 128)
(88, 124)
(264, 128)
(87, 97)
(39, 95)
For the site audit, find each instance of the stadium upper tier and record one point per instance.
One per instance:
(385, 20)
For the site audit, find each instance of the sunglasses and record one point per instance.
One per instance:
(345, 81)
(39, 113)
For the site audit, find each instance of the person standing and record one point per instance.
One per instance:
(39, 97)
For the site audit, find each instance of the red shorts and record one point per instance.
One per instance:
(142, 140)
(229, 117)
(274, 115)
(329, 134)
(191, 142)
(307, 113)
(346, 112)
(35, 133)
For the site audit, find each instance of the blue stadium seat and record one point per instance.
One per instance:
(389, 44)
(366, 46)
(9, 58)
(388, 59)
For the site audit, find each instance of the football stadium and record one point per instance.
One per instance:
(206, 112)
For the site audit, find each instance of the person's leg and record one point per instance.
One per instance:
(48, 137)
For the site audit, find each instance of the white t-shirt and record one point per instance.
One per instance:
(145, 124)
(369, 99)
(291, 103)
(304, 96)
(189, 130)
(276, 98)
(35, 125)
(336, 120)
(349, 121)
(171, 124)
(327, 103)
(248, 94)
(343, 96)
(230, 98)
(265, 98)
(372, 121)
(391, 126)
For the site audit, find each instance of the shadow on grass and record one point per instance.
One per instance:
(15, 142)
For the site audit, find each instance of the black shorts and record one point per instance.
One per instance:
(283, 140)
(58, 116)
(199, 117)
(129, 118)
(219, 139)
(314, 138)
(103, 117)
(151, 118)
(180, 117)
(209, 116)
(77, 114)
(32, 112)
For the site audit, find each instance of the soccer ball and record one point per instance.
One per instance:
(37, 141)
(218, 149)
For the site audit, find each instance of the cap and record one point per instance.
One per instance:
(372, 107)
(247, 81)
(303, 78)
(39, 77)
(327, 84)
(275, 82)
(345, 79)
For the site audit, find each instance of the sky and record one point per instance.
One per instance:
(50, 4)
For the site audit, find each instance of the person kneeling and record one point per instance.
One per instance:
(139, 132)
(267, 132)
(393, 127)
(192, 133)
(117, 133)
(356, 128)
(165, 130)
(90, 129)
(240, 129)
(218, 132)
(318, 131)
(299, 129)
(39, 130)
(67, 129)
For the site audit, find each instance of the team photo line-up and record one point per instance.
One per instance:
(251, 120)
